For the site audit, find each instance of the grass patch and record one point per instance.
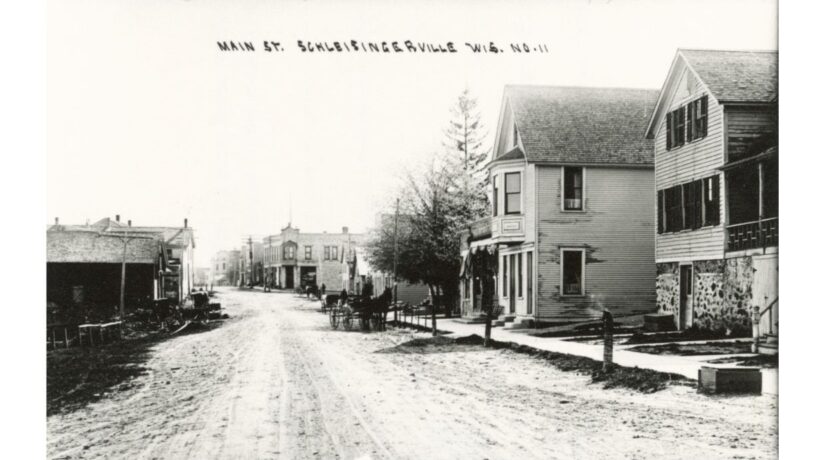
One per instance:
(589, 330)
(634, 378)
(682, 336)
(696, 349)
(762, 361)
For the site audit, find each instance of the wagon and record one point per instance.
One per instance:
(370, 313)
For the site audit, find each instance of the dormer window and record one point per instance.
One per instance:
(512, 193)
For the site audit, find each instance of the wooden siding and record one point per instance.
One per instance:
(617, 229)
(693, 160)
(746, 124)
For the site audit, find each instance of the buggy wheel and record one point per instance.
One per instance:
(347, 322)
(334, 320)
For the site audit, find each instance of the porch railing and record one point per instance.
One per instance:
(752, 235)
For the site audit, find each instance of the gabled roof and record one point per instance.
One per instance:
(731, 77)
(736, 76)
(582, 125)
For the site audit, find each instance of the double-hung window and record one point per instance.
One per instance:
(307, 252)
(689, 206)
(573, 188)
(512, 193)
(572, 271)
(495, 195)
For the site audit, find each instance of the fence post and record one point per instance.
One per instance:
(608, 326)
(756, 327)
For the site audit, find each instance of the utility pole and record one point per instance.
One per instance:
(395, 261)
(434, 303)
(251, 263)
(125, 239)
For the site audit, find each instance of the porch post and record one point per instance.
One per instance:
(761, 205)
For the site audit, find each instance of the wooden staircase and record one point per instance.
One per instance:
(765, 329)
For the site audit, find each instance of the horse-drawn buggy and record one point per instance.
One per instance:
(369, 313)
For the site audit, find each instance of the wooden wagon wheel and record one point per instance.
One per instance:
(347, 321)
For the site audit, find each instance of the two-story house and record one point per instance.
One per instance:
(716, 177)
(572, 225)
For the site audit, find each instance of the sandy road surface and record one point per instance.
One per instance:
(276, 382)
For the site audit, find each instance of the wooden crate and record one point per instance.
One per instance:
(729, 379)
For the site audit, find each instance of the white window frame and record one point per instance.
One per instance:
(583, 189)
(521, 180)
(583, 252)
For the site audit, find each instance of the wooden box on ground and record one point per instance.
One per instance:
(659, 322)
(729, 379)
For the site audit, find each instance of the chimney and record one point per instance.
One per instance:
(185, 223)
(56, 221)
(117, 217)
(345, 229)
(130, 222)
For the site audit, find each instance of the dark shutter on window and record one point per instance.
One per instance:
(690, 120)
(716, 216)
(704, 117)
(712, 200)
(669, 130)
(698, 221)
(689, 200)
(660, 211)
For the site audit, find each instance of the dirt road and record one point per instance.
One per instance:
(275, 382)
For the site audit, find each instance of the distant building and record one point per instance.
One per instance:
(292, 258)
(84, 263)
(225, 268)
(203, 275)
(251, 264)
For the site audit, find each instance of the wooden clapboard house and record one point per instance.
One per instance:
(572, 224)
(716, 180)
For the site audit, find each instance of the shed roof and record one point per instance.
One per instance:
(583, 125)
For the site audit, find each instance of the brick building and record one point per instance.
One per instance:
(292, 258)
(225, 268)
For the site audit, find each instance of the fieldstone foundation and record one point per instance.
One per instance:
(667, 288)
(722, 293)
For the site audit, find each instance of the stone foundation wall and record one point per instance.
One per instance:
(667, 288)
(707, 294)
(722, 293)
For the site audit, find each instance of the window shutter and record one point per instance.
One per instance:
(690, 120)
(697, 204)
(704, 117)
(669, 130)
(660, 211)
(716, 201)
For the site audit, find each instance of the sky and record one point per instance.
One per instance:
(148, 119)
